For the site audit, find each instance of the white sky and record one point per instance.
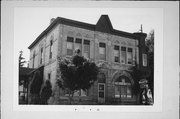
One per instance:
(29, 22)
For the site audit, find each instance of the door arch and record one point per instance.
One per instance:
(123, 87)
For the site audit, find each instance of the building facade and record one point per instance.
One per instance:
(114, 52)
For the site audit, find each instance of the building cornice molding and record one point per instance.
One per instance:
(104, 19)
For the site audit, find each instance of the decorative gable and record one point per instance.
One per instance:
(104, 24)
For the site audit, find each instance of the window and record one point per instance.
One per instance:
(33, 59)
(102, 51)
(123, 55)
(101, 85)
(78, 44)
(129, 56)
(101, 90)
(70, 41)
(86, 48)
(116, 53)
(41, 56)
(123, 88)
(144, 59)
(50, 54)
(49, 76)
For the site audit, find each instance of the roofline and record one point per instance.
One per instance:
(60, 20)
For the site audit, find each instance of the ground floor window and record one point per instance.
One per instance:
(123, 88)
(101, 90)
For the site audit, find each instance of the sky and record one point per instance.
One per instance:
(29, 22)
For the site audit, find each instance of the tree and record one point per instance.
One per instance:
(150, 50)
(46, 92)
(35, 87)
(136, 74)
(77, 73)
(21, 59)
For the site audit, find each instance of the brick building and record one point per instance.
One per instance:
(112, 50)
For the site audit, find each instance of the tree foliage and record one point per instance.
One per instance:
(22, 80)
(36, 83)
(21, 59)
(150, 48)
(77, 73)
(46, 92)
(136, 74)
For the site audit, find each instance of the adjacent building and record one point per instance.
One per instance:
(114, 52)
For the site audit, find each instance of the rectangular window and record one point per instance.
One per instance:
(41, 56)
(50, 54)
(144, 59)
(101, 90)
(102, 51)
(116, 53)
(49, 76)
(78, 45)
(86, 48)
(33, 59)
(123, 55)
(129, 56)
(69, 46)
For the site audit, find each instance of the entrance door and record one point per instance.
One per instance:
(101, 92)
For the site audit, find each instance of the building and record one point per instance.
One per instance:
(114, 51)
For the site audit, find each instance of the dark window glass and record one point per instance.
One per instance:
(123, 48)
(70, 39)
(101, 94)
(101, 87)
(87, 42)
(78, 40)
(102, 45)
(116, 47)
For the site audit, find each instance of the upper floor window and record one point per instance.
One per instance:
(123, 55)
(86, 48)
(70, 41)
(50, 54)
(102, 51)
(49, 76)
(144, 59)
(78, 44)
(116, 53)
(41, 55)
(130, 56)
(34, 55)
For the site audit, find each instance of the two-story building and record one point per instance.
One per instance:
(112, 50)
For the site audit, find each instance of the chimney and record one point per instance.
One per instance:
(52, 19)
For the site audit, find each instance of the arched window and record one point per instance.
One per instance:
(123, 87)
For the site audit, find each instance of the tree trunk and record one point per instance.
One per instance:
(79, 98)
(71, 94)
